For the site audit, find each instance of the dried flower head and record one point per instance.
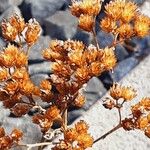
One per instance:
(127, 93)
(86, 22)
(108, 24)
(141, 28)
(80, 100)
(90, 7)
(13, 27)
(33, 32)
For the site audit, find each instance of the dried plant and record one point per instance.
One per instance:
(74, 64)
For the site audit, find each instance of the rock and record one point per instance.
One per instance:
(123, 68)
(145, 7)
(83, 36)
(4, 4)
(94, 91)
(31, 132)
(104, 39)
(36, 78)
(10, 12)
(42, 9)
(37, 68)
(2, 44)
(36, 50)
(139, 2)
(121, 52)
(62, 25)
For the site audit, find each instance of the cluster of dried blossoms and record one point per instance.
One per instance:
(86, 11)
(7, 141)
(124, 20)
(74, 64)
(76, 138)
(140, 117)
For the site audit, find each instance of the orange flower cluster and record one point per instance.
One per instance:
(76, 138)
(117, 93)
(74, 64)
(86, 11)
(46, 120)
(123, 20)
(15, 26)
(13, 57)
(141, 117)
(7, 141)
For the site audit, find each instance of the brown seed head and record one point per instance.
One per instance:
(86, 22)
(33, 32)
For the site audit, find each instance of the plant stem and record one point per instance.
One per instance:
(65, 119)
(109, 132)
(94, 34)
(119, 111)
(95, 38)
(42, 140)
(35, 145)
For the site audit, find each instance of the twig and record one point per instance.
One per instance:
(42, 140)
(94, 34)
(29, 146)
(95, 38)
(109, 132)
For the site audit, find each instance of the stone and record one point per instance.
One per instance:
(104, 39)
(121, 52)
(93, 92)
(2, 43)
(10, 12)
(35, 54)
(4, 4)
(123, 68)
(42, 9)
(145, 7)
(43, 67)
(83, 36)
(37, 78)
(62, 25)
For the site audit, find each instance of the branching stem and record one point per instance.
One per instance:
(109, 132)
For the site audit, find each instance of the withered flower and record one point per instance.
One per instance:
(108, 59)
(52, 113)
(128, 124)
(142, 122)
(108, 24)
(2, 132)
(90, 7)
(81, 127)
(109, 103)
(4, 74)
(45, 85)
(125, 31)
(86, 22)
(70, 135)
(33, 32)
(147, 131)
(141, 25)
(17, 22)
(8, 31)
(16, 134)
(127, 93)
(13, 27)
(85, 141)
(80, 100)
